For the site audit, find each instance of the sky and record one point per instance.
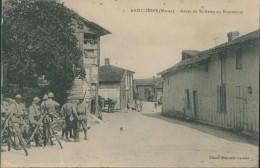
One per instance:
(149, 42)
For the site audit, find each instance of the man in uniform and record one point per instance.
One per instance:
(48, 109)
(141, 105)
(83, 112)
(4, 109)
(17, 111)
(93, 105)
(70, 116)
(49, 106)
(45, 97)
(34, 117)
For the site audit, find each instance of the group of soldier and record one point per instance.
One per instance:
(36, 123)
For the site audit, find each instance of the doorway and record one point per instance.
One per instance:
(147, 94)
(195, 103)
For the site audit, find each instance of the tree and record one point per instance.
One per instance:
(38, 39)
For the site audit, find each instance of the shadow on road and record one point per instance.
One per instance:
(215, 131)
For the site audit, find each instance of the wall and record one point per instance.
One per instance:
(90, 64)
(111, 91)
(159, 93)
(242, 107)
(126, 89)
(141, 91)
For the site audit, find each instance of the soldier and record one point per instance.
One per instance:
(34, 117)
(83, 112)
(141, 105)
(93, 105)
(4, 109)
(128, 105)
(49, 106)
(45, 97)
(138, 105)
(48, 109)
(155, 105)
(70, 116)
(17, 111)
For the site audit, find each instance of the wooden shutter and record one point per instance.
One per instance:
(223, 98)
(218, 99)
(185, 98)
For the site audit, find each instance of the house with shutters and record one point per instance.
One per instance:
(218, 86)
(116, 83)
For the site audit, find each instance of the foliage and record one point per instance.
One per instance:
(38, 39)
(29, 94)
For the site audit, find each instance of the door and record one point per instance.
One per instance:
(195, 103)
(147, 94)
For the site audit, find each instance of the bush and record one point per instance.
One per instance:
(29, 93)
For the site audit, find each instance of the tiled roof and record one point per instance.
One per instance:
(111, 73)
(250, 36)
(204, 54)
(100, 30)
(158, 85)
(185, 62)
(186, 54)
(148, 81)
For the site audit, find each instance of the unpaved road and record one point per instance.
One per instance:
(147, 139)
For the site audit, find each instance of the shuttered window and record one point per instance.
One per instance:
(187, 99)
(221, 98)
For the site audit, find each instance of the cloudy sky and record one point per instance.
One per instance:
(148, 43)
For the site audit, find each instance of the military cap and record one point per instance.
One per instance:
(45, 97)
(50, 94)
(18, 96)
(36, 99)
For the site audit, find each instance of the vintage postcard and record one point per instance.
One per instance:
(130, 83)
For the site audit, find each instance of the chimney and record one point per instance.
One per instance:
(107, 62)
(232, 35)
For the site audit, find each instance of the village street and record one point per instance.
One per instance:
(147, 139)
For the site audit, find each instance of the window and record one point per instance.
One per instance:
(187, 99)
(221, 98)
(239, 59)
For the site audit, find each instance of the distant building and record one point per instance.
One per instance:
(149, 89)
(116, 83)
(219, 86)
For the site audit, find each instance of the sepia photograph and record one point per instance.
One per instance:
(130, 83)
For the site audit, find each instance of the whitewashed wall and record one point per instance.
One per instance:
(111, 91)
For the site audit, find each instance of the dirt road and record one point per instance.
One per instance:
(147, 139)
